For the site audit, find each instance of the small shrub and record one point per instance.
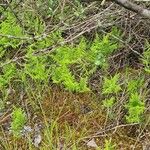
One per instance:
(64, 57)
(9, 27)
(88, 58)
(58, 65)
(134, 85)
(101, 49)
(18, 121)
(35, 67)
(111, 85)
(8, 72)
(135, 108)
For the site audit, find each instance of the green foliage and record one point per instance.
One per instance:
(61, 73)
(146, 58)
(35, 67)
(108, 103)
(79, 12)
(7, 73)
(111, 85)
(33, 23)
(9, 27)
(30, 63)
(134, 85)
(109, 145)
(135, 108)
(18, 121)
(52, 4)
(68, 55)
(101, 49)
(59, 66)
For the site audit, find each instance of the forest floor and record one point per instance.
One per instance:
(72, 121)
(73, 76)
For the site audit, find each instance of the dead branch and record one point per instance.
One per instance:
(130, 6)
(134, 7)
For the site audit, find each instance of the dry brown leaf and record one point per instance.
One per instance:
(92, 143)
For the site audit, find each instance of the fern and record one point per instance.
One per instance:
(57, 65)
(135, 108)
(18, 121)
(64, 58)
(134, 85)
(8, 72)
(108, 103)
(10, 27)
(100, 50)
(68, 55)
(111, 85)
(35, 67)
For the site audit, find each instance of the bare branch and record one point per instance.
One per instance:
(130, 6)
(134, 7)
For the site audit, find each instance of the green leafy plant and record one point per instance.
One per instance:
(109, 145)
(35, 67)
(134, 85)
(59, 65)
(111, 85)
(101, 49)
(9, 28)
(8, 72)
(18, 121)
(146, 58)
(108, 103)
(68, 55)
(135, 108)
(61, 73)
(79, 12)
(33, 23)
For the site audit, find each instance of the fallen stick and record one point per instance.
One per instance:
(134, 7)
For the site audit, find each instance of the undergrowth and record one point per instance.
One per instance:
(34, 60)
